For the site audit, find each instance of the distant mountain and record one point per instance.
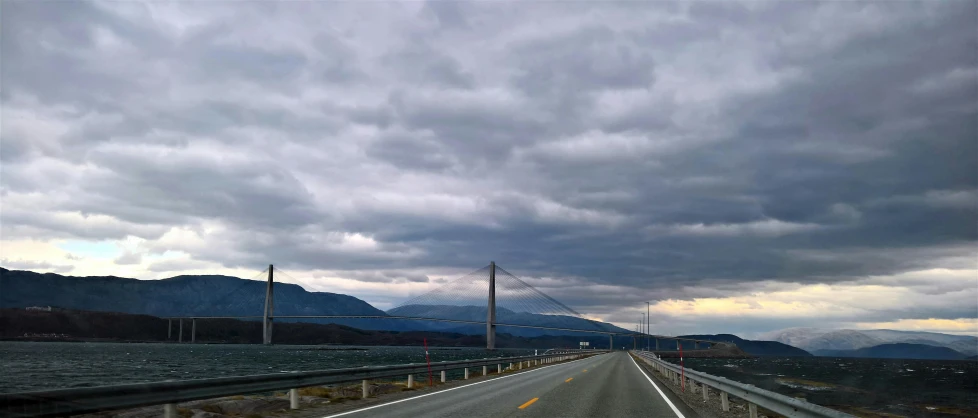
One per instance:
(897, 350)
(756, 348)
(504, 316)
(182, 296)
(817, 340)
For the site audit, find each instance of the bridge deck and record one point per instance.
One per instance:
(612, 385)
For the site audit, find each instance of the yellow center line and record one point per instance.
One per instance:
(528, 403)
(568, 380)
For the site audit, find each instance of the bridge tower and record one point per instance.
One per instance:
(269, 309)
(491, 309)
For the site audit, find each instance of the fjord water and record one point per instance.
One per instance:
(29, 366)
(912, 388)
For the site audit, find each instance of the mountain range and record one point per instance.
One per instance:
(215, 295)
(834, 342)
(75, 325)
(898, 350)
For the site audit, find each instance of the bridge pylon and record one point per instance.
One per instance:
(491, 309)
(269, 309)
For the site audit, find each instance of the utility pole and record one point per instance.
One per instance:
(648, 326)
(491, 311)
(644, 320)
(641, 324)
(269, 309)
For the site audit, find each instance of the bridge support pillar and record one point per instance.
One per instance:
(269, 309)
(193, 330)
(169, 329)
(491, 309)
(180, 330)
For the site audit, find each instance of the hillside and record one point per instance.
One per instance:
(756, 348)
(75, 325)
(180, 296)
(898, 350)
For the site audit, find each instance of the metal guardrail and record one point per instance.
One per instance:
(755, 396)
(106, 398)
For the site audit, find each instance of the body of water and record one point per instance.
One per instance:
(27, 366)
(913, 388)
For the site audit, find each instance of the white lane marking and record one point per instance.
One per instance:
(460, 387)
(663, 395)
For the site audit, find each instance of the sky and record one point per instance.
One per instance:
(742, 167)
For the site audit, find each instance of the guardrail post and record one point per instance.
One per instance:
(521, 364)
(410, 381)
(706, 393)
(466, 373)
(293, 398)
(753, 410)
(366, 388)
(724, 402)
(443, 376)
(511, 366)
(499, 368)
(170, 410)
(485, 370)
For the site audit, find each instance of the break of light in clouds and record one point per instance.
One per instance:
(744, 166)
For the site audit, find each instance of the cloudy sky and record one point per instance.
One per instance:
(744, 167)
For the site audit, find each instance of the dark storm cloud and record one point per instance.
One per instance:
(654, 151)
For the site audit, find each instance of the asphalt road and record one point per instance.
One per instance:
(609, 385)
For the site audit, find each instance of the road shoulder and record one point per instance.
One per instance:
(676, 397)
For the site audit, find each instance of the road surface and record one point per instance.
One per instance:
(609, 385)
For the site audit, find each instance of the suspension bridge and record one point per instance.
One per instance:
(559, 382)
(507, 301)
